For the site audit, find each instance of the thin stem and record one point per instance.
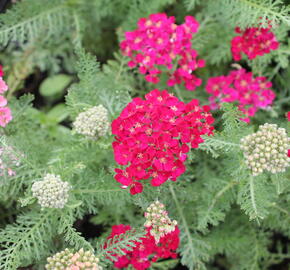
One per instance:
(253, 199)
(178, 93)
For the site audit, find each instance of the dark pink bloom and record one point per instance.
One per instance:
(157, 43)
(253, 42)
(243, 88)
(152, 137)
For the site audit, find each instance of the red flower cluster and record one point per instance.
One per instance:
(147, 250)
(158, 42)
(253, 42)
(152, 138)
(240, 86)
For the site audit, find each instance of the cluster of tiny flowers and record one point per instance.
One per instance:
(146, 251)
(93, 123)
(240, 86)
(267, 149)
(159, 43)
(158, 222)
(67, 260)
(9, 159)
(5, 112)
(153, 137)
(51, 192)
(253, 42)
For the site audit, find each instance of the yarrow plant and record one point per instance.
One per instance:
(92, 123)
(253, 41)
(157, 221)
(51, 192)
(209, 187)
(5, 112)
(152, 137)
(69, 260)
(159, 43)
(267, 149)
(241, 87)
(146, 251)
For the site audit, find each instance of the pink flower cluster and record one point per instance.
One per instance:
(147, 250)
(159, 43)
(253, 42)
(5, 112)
(240, 86)
(153, 137)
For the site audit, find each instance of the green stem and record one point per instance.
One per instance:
(178, 93)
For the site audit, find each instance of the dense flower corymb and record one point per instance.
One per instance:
(147, 250)
(67, 260)
(51, 191)
(152, 137)
(93, 123)
(157, 221)
(267, 149)
(158, 43)
(253, 42)
(242, 87)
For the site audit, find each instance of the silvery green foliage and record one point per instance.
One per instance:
(158, 221)
(66, 259)
(93, 123)
(51, 192)
(266, 150)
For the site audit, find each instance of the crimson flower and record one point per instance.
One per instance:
(152, 137)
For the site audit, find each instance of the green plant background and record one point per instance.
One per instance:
(61, 57)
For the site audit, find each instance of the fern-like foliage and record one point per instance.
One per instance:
(255, 196)
(109, 250)
(30, 19)
(250, 12)
(28, 240)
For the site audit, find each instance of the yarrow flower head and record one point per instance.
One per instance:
(9, 160)
(68, 260)
(158, 222)
(242, 87)
(158, 43)
(253, 41)
(93, 123)
(152, 137)
(5, 112)
(147, 250)
(51, 192)
(267, 149)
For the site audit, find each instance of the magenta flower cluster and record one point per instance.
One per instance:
(159, 44)
(152, 137)
(253, 42)
(242, 88)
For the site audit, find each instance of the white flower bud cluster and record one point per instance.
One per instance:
(266, 150)
(67, 260)
(51, 191)
(9, 159)
(93, 123)
(157, 219)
